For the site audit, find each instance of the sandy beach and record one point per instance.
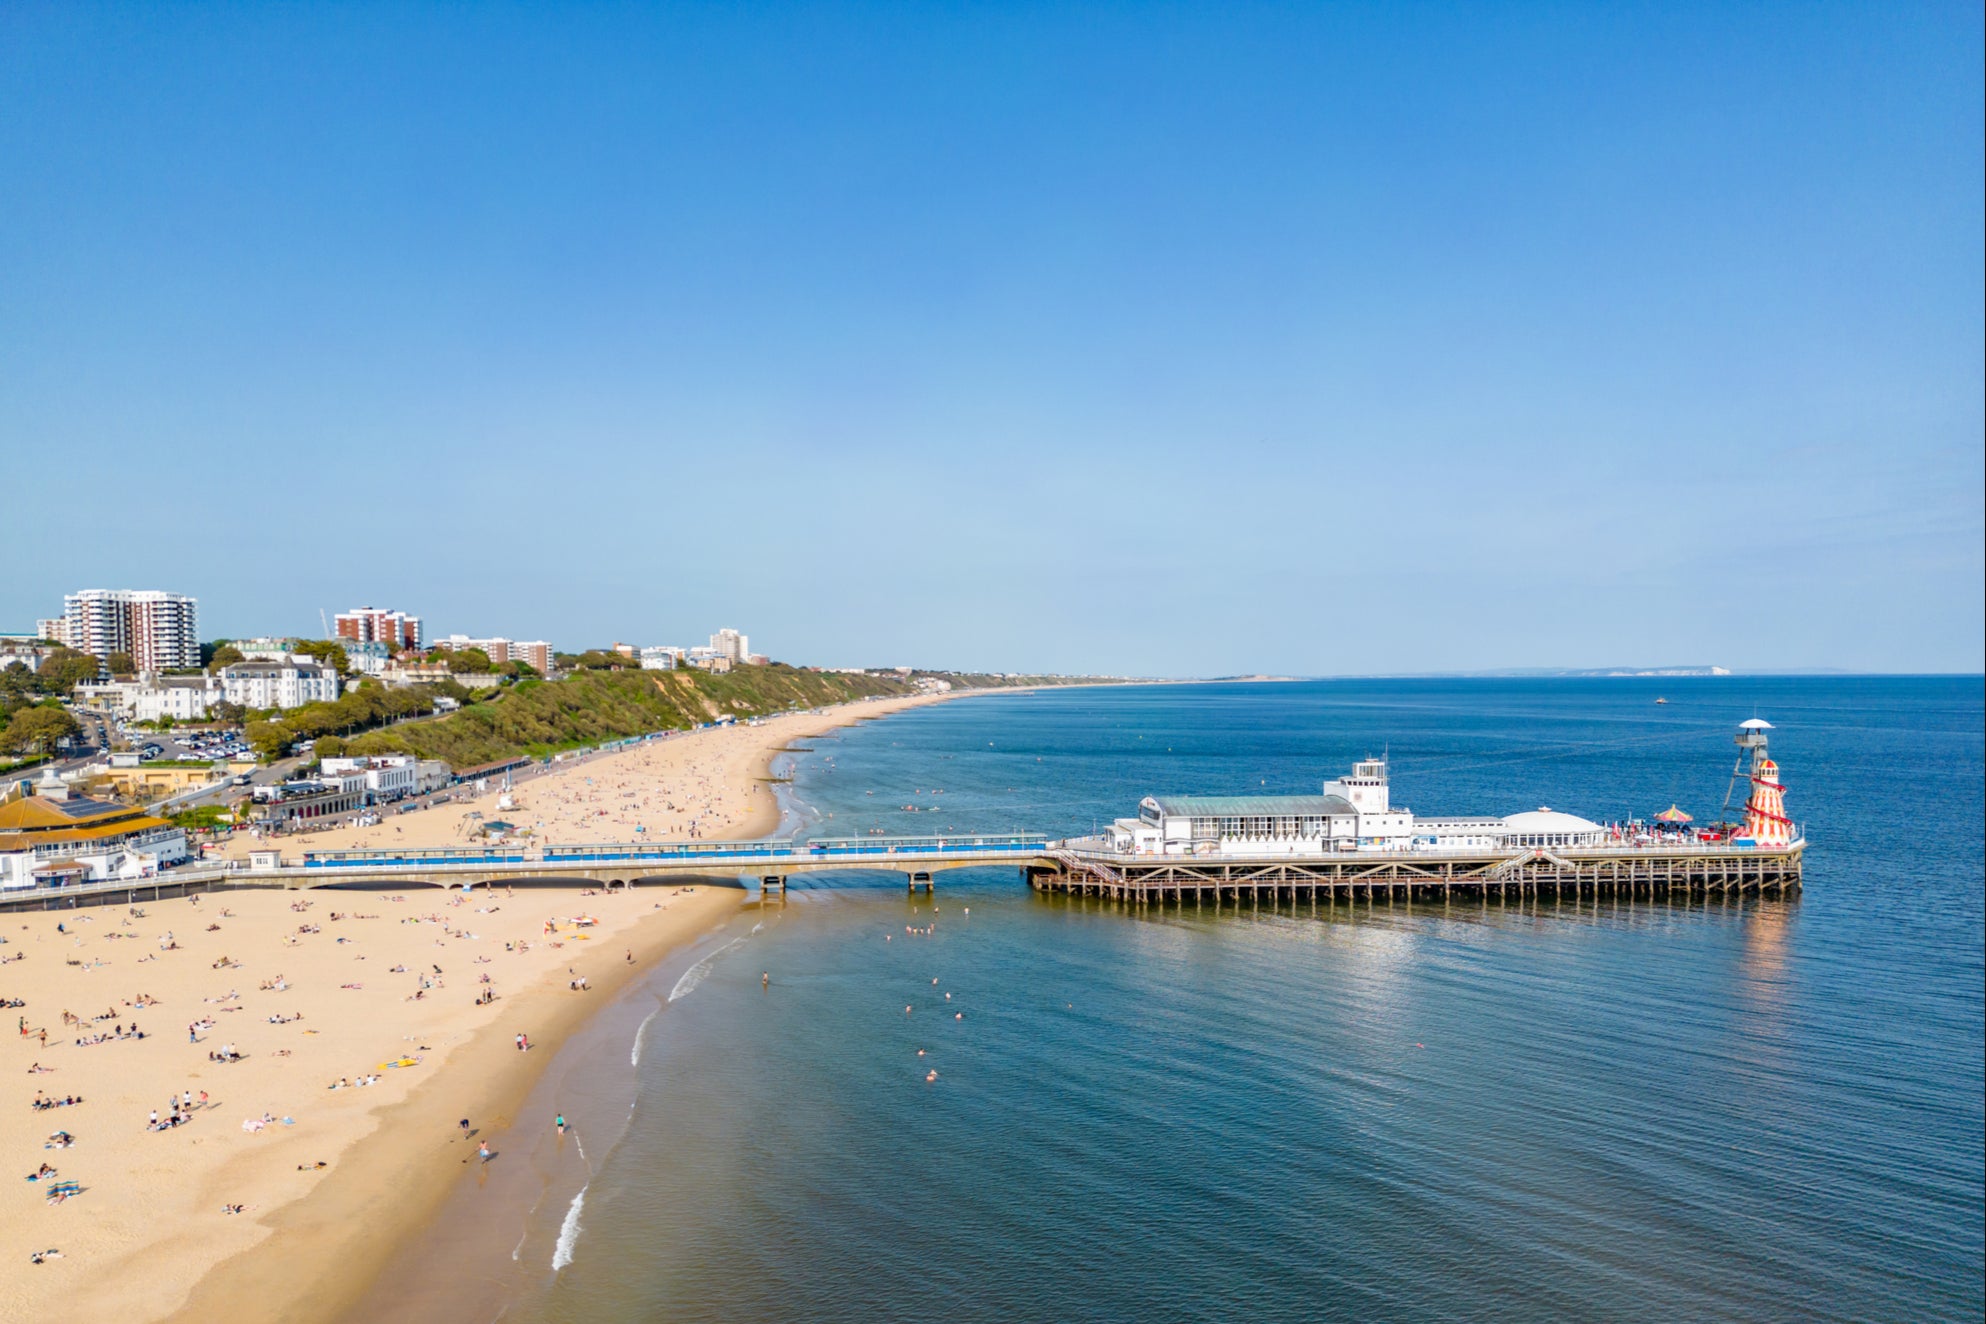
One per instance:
(321, 1048)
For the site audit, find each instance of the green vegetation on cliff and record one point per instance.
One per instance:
(538, 717)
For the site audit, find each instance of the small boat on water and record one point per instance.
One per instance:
(1661, 700)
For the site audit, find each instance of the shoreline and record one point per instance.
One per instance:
(325, 1251)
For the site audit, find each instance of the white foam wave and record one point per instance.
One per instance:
(696, 974)
(634, 1054)
(568, 1232)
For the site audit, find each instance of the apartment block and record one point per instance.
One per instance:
(534, 653)
(372, 625)
(160, 630)
(496, 648)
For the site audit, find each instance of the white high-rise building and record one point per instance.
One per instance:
(728, 643)
(160, 630)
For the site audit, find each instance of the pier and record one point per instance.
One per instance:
(1081, 867)
(1350, 842)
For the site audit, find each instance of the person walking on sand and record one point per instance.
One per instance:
(464, 1124)
(483, 1150)
(559, 1122)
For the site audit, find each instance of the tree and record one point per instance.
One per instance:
(229, 714)
(63, 670)
(38, 730)
(329, 747)
(225, 655)
(469, 662)
(121, 664)
(270, 739)
(17, 686)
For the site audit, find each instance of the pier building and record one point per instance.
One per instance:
(1352, 841)
(1353, 813)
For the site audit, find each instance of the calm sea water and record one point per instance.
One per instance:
(1619, 1110)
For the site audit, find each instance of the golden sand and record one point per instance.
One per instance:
(312, 989)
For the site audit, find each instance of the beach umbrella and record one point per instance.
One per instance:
(1672, 815)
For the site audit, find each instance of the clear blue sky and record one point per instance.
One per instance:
(1154, 338)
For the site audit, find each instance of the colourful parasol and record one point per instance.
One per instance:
(1673, 815)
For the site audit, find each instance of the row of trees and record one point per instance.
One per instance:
(371, 705)
(595, 704)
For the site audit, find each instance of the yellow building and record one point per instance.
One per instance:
(57, 839)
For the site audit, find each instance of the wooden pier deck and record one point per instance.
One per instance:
(1585, 872)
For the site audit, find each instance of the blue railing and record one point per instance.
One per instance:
(829, 847)
(374, 859)
(819, 848)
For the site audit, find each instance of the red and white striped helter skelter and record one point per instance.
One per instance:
(1765, 812)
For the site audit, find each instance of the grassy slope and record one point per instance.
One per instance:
(592, 706)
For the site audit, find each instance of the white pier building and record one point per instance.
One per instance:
(1353, 814)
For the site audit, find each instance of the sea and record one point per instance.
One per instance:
(991, 1105)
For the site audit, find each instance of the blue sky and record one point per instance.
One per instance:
(1162, 339)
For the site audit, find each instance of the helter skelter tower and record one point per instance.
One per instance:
(1765, 811)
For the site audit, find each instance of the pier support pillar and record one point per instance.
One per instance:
(922, 881)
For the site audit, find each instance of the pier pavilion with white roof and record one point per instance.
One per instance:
(1353, 813)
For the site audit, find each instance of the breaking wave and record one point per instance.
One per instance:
(568, 1232)
(696, 974)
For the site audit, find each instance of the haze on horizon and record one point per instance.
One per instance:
(1185, 340)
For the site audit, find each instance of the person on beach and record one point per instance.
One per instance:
(464, 1124)
(483, 1151)
(559, 1122)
